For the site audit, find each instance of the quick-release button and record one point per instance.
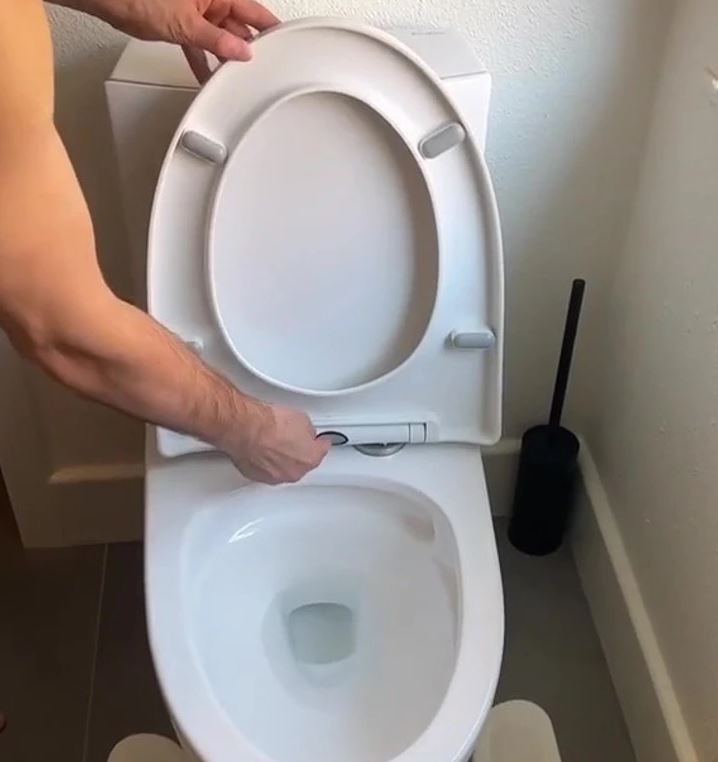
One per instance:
(335, 437)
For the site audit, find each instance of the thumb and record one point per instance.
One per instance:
(323, 445)
(221, 43)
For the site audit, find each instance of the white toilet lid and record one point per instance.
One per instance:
(322, 280)
(339, 178)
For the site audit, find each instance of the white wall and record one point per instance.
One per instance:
(573, 86)
(85, 53)
(574, 80)
(654, 429)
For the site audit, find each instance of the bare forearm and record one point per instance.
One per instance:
(115, 354)
(125, 359)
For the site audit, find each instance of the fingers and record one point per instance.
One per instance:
(282, 449)
(322, 446)
(221, 42)
(238, 29)
(253, 13)
(226, 34)
(197, 61)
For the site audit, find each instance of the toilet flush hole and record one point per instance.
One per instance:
(380, 450)
(322, 632)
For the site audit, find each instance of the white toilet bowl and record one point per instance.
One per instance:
(325, 234)
(357, 615)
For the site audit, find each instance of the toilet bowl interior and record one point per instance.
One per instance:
(324, 617)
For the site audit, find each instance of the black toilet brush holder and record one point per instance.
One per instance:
(548, 464)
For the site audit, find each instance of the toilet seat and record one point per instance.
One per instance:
(380, 302)
(413, 317)
(201, 511)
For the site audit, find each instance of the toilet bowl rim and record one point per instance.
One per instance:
(459, 478)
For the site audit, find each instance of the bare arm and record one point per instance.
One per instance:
(58, 311)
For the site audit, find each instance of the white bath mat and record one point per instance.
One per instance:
(147, 748)
(517, 731)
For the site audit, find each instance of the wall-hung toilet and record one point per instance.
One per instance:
(325, 233)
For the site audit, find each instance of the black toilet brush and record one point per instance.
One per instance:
(545, 485)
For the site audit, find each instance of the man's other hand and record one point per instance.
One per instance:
(274, 444)
(224, 28)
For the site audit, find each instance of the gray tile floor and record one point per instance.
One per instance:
(553, 656)
(76, 675)
(48, 632)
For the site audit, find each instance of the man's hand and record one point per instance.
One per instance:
(224, 28)
(279, 445)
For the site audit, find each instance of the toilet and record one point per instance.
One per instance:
(324, 232)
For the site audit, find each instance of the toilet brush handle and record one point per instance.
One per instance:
(564, 362)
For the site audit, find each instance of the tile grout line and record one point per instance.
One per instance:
(95, 651)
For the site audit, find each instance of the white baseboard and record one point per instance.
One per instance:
(98, 504)
(500, 463)
(650, 706)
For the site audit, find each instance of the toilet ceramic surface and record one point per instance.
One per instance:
(323, 229)
(308, 310)
(357, 615)
(344, 618)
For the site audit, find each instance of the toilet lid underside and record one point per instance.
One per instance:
(323, 227)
